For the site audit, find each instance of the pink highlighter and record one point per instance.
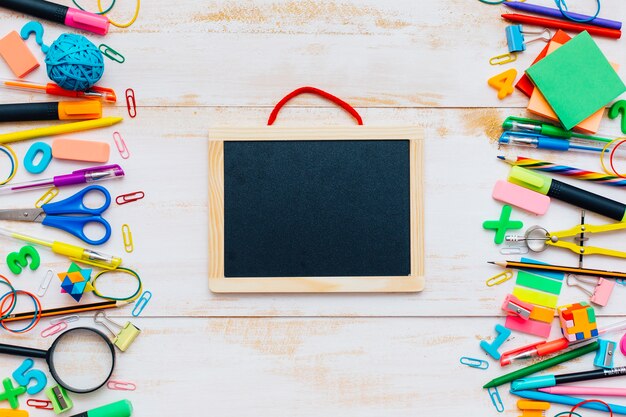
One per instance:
(67, 16)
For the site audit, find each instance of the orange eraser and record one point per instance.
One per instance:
(80, 150)
(15, 52)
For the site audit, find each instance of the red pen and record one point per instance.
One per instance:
(562, 24)
(536, 349)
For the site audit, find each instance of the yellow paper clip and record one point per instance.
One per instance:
(128, 238)
(503, 276)
(502, 59)
(47, 197)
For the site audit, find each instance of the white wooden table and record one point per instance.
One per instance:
(196, 64)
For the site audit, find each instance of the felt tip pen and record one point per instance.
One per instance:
(537, 126)
(545, 381)
(567, 400)
(556, 13)
(538, 141)
(576, 390)
(568, 193)
(59, 129)
(82, 176)
(74, 253)
(68, 16)
(64, 110)
(122, 408)
(562, 24)
(94, 93)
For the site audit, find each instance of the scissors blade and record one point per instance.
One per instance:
(24, 215)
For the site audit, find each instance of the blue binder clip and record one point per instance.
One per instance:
(605, 355)
(515, 37)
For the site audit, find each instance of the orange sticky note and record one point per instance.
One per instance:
(17, 55)
(503, 82)
(80, 150)
(539, 106)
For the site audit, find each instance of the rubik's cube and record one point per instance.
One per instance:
(578, 321)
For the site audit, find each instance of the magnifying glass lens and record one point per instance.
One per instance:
(82, 360)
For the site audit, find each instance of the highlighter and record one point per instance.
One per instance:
(568, 193)
(67, 16)
(67, 110)
(121, 408)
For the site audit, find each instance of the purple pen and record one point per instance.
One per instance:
(81, 176)
(556, 13)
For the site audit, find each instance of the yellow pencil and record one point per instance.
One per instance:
(59, 129)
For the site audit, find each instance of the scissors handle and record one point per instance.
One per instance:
(75, 203)
(76, 226)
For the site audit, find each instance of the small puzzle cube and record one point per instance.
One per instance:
(578, 321)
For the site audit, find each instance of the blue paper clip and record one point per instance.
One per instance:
(141, 303)
(496, 399)
(515, 37)
(474, 363)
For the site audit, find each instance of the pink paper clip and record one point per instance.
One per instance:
(121, 145)
(54, 329)
(131, 104)
(39, 404)
(121, 385)
(129, 198)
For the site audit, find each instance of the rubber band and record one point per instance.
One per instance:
(569, 413)
(36, 315)
(122, 25)
(13, 158)
(104, 12)
(561, 3)
(4, 314)
(128, 271)
(604, 149)
(608, 407)
(611, 158)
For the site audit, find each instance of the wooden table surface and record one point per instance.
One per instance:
(200, 64)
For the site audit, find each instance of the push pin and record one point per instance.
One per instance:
(124, 335)
(515, 37)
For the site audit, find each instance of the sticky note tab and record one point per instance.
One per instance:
(576, 80)
(536, 297)
(528, 280)
(536, 328)
(17, 55)
(80, 150)
(521, 197)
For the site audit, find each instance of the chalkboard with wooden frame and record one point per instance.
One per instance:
(315, 210)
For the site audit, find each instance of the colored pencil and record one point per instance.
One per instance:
(66, 310)
(560, 268)
(556, 13)
(562, 24)
(59, 129)
(578, 390)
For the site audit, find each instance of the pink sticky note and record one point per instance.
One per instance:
(521, 197)
(536, 328)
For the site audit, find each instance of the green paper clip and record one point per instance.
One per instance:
(111, 53)
(124, 335)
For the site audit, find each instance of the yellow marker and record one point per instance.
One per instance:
(59, 129)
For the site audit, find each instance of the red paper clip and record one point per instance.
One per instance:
(131, 104)
(129, 198)
(121, 385)
(40, 404)
(121, 145)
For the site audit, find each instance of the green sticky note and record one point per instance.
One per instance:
(538, 282)
(576, 80)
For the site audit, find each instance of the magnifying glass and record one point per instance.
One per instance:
(81, 359)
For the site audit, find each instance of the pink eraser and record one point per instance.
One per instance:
(80, 150)
(17, 55)
(536, 328)
(602, 292)
(521, 197)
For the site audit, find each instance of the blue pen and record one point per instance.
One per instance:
(567, 400)
(535, 140)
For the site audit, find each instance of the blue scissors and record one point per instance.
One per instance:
(80, 216)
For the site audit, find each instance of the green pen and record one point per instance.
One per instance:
(537, 126)
(540, 366)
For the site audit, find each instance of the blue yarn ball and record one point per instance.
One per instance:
(74, 63)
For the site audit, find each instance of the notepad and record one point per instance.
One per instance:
(576, 80)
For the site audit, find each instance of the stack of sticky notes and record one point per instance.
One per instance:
(573, 83)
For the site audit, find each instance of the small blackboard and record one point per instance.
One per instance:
(290, 212)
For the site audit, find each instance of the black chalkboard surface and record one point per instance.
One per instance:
(307, 208)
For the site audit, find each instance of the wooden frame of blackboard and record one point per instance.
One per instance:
(221, 284)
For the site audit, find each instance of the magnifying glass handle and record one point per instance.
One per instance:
(23, 351)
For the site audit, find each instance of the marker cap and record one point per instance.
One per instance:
(80, 110)
(533, 383)
(530, 180)
(91, 22)
(121, 408)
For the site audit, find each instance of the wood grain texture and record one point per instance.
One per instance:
(198, 65)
